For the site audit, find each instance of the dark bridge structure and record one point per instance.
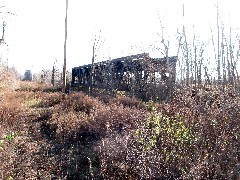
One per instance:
(140, 75)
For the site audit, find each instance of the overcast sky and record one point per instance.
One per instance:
(35, 34)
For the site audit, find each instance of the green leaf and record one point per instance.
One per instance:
(1, 142)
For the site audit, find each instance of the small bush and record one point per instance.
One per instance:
(51, 99)
(79, 102)
(128, 102)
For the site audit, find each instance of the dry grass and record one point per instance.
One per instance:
(46, 136)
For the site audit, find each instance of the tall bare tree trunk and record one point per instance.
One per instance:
(230, 62)
(186, 53)
(53, 76)
(3, 33)
(195, 67)
(200, 67)
(65, 51)
(223, 61)
(92, 71)
(218, 60)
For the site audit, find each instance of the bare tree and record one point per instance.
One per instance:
(163, 47)
(3, 29)
(97, 42)
(218, 56)
(3, 33)
(65, 51)
(186, 51)
(230, 58)
(54, 73)
(4, 23)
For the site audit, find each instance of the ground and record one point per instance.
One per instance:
(47, 135)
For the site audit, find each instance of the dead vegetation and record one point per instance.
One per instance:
(196, 136)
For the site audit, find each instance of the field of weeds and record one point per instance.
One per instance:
(44, 135)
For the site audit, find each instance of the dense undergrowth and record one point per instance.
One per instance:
(44, 135)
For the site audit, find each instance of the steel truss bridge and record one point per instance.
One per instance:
(141, 75)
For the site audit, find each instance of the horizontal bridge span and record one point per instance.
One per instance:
(131, 73)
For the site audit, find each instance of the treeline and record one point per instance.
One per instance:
(209, 62)
(9, 78)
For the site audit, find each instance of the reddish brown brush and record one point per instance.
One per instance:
(44, 135)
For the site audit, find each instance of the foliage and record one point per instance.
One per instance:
(177, 141)
(80, 137)
(9, 79)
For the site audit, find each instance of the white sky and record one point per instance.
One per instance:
(35, 36)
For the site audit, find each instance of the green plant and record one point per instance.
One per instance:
(8, 137)
(159, 128)
(11, 136)
(33, 102)
(10, 178)
(1, 142)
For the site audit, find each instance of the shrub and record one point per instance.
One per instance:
(127, 102)
(192, 137)
(50, 99)
(79, 102)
